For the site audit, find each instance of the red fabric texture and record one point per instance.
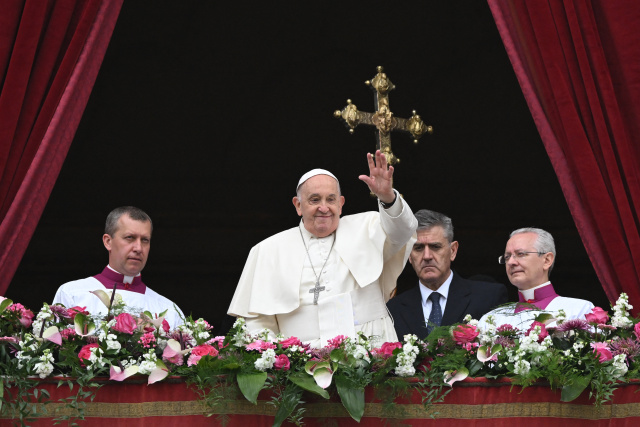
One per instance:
(495, 403)
(578, 64)
(50, 54)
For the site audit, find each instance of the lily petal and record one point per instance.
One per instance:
(116, 374)
(52, 334)
(451, 377)
(158, 374)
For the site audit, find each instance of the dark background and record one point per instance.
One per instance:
(205, 114)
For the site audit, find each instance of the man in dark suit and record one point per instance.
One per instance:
(442, 297)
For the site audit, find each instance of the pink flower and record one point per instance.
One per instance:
(26, 315)
(165, 326)
(602, 350)
(85, 352)
(636, 330)
(386, 350)
(597, 316)
(282, 362)
(290, 342)
(147, 340)
(198, 352)
(13, 340)
(260, 345)
(463, 334)
(336, 342)
(71, 312)
(68, 333)
(125, 323)
(543, 330)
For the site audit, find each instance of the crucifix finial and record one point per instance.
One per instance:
(383, 119)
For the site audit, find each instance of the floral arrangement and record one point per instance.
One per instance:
(595, 353)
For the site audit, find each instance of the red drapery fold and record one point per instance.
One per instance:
(50, 54)
(578, 63)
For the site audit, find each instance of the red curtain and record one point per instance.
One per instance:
(578, 63)
(50, 53)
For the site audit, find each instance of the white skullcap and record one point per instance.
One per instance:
(313, 173)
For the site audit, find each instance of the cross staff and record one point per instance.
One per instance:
(383, 118)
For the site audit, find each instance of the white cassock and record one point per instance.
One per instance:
(78, 293)
(573, 308)
(370, 251)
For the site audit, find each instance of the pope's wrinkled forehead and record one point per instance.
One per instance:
(313, 173)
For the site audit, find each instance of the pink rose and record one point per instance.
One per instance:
(125, 323)
(199, 351)
(636, 330)
(282, 362)
(73, 311)
(165, 326)
(290, 342)
(85, 352)
(597, 316)
(463, 334)
(26, 315)
(388, 347)
(602, 350)
(543, 330)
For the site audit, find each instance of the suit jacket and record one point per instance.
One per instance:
(465, 297)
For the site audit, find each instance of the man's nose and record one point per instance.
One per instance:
(137, 245)
(426, 254)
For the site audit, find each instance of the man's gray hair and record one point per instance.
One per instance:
(544, 243)
(136, 214)
(428, 219)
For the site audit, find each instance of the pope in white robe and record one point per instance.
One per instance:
(329, 276)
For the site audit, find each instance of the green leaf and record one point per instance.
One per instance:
(307, 382)
(352, 397)
(4, 304)
(574, 388)
(251, 384)
(290, 399)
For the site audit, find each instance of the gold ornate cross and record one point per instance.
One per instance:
(383, 119)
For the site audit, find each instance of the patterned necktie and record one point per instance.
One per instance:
(435, 317)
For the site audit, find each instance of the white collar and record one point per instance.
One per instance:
(442, 290)
(530, 294)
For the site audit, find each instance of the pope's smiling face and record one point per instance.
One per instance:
(319, 205)
(129, 246)
(432, 255)
(530, 269)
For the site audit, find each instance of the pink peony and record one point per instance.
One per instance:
(636, 330)
(597, 316)
(125, 323)
(199, 351)
(282, 362)
(85, 352)
(602, 350)
(463, 334)
(290, 342)
(543, 330)
(71, 312)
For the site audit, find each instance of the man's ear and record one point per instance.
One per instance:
(548, 262)
(454, 249)
(106, 240)
(297, 204)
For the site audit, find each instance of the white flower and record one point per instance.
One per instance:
(522, 367)
(619, 366)
(266, 361)
(113, 344)
(148, 364)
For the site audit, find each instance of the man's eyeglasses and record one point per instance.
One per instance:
(503, 259)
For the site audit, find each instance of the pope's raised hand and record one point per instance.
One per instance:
(380, 179)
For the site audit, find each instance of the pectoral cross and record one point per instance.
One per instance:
(383, 119)
(316, 292)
